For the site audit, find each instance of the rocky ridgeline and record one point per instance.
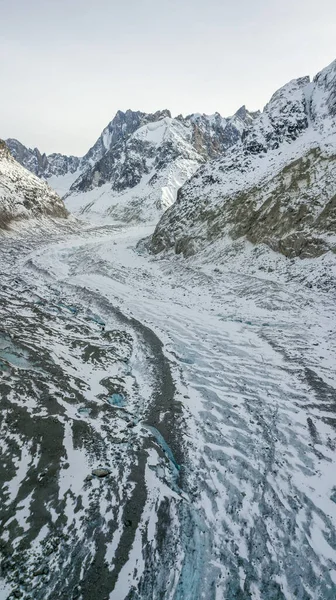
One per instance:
(210, 135)
(276, 185)
(22, 194)
(213, 135)
(139, 176)
(149, 156)
(267, 177)
(40, 164)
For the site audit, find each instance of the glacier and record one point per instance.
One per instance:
(167, 389)
(219, 463)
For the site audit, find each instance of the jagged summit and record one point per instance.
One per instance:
(140, 161)
(323, 98)
(120, 128)
(142, 171)
(41, 164)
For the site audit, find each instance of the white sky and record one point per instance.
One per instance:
(67, 66)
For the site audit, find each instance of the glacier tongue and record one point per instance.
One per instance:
(214, 476)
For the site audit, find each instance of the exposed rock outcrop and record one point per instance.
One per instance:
(277, 185)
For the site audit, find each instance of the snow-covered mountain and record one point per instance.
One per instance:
(276, 185)
(58, 169)
(168, 426)
(139, 176)
(120, 128)
(138, 163)
(22, 194)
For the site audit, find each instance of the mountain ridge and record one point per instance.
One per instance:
(211, 135)
(143, 162)
(22, 153)
(236, 193)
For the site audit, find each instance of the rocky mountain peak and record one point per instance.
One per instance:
(284, 118)
(161, 114)
(147, 155)
(121, 127)
(245, 116)
(214, 134)
(40, 164)
(242, 112)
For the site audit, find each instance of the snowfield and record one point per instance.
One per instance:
(216, 424)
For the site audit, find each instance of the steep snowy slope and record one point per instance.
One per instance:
(22, 194)
(120, 128)
(139, 177)
(60, 170)
(275, 186)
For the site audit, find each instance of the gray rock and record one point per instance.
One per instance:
(101, 472)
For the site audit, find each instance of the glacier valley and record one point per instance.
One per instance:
(168, 425)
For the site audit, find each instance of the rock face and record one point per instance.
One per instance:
(22, 194)
(138, 163)
(213, 134)
(40, 164)
(275, 186)
(59, 170)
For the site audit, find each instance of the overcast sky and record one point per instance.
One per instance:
(66, 66)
